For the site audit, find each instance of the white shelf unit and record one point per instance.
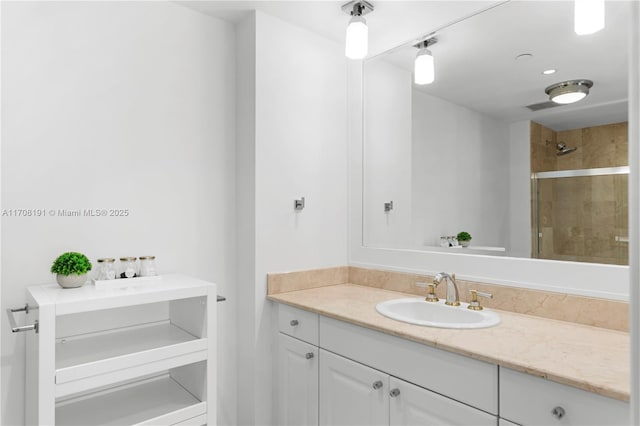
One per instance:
(157, 401)
(138, 354)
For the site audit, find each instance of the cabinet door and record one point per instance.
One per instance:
(412, 405)
(352, 394)
(298, 382)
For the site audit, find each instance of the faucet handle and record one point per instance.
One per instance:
(431, 292)
(475, 305)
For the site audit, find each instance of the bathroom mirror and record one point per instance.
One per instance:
(483, 150)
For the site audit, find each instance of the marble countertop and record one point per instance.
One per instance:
(589, 358)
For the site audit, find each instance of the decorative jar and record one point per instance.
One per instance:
(148, 266)
(106, 269)
(128, 268)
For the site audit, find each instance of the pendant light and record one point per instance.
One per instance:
(424, 67)
(589, 16)
(357, 40)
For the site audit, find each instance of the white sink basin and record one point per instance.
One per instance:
(417, 311)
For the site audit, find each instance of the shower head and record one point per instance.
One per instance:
(563, 149)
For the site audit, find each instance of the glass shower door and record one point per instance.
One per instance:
(581, 215)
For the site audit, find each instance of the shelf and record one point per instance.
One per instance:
(158, 401)
(140, 352)
(88, 298)
(100, 359)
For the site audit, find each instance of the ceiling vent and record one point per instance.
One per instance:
(542, 105)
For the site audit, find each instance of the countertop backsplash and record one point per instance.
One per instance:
(604, 313)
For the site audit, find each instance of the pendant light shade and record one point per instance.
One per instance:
(357, 40)
(589, 16)
(424, 69)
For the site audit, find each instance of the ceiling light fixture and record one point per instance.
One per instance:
(568, 92)
(524, 57)
(549, 71)
(589, 16)
(357, 40)
(424, 68)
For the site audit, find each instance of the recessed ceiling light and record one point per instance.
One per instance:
(524, 56)
(548, 72)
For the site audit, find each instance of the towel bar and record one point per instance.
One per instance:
(15, 328)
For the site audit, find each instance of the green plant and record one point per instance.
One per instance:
(71, 263)
(464, 236)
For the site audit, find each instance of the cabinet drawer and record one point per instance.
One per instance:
(530, 400)
(298, 323)
(464, 379)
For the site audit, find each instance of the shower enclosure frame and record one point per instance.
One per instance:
(556, 174)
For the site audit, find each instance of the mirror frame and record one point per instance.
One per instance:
(587, 279)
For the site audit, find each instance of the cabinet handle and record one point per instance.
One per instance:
(308, 355)
(294, 323)
(558, 412)
(394, 392)
(377, 384)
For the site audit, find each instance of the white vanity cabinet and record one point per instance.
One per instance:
(142, 352)
(363, 377)
(469, 381)
(367, 377)
(298, 360)
(354, 394)
(533, 401)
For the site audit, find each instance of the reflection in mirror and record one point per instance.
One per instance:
(483, 150)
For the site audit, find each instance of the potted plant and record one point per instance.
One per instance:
(71, 269)
(464, 238)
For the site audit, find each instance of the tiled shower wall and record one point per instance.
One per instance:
(581, 218)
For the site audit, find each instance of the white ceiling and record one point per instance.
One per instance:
(392, 22)
(476, 63)
(475, 58)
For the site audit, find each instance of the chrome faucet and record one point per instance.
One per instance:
(452, 288)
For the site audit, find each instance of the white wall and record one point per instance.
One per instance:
(117, 105)
(388, 164)
(520, 189)
(246, 215)
(460, 172)
(300, 149)
(445, 167)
